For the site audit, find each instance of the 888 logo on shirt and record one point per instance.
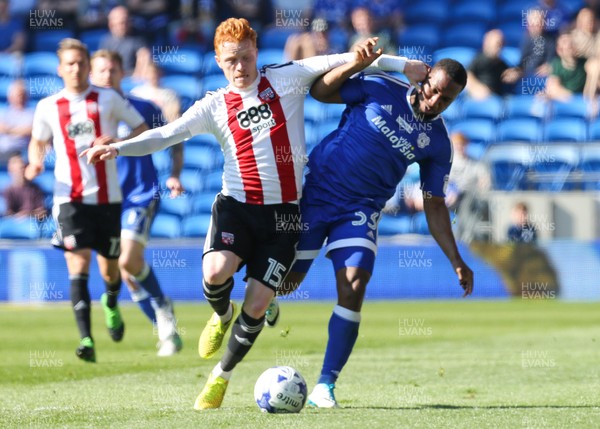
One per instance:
(256, 118)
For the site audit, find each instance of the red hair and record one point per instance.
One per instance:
(234, 30)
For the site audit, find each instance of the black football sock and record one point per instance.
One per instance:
(112, 292)
(218, 295)
(80, 299)
(243, 333)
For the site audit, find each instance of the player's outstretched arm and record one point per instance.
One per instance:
(440, 228)
(146, 143)
(326, 88)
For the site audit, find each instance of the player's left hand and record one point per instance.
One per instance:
(365, 53)
(416, 72)
(465, 278)
(174, 184)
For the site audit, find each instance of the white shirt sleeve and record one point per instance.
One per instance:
(196, 120)
(41, 129)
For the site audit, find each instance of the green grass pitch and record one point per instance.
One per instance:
(445, 364)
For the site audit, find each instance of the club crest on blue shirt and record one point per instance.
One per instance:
(423, 141)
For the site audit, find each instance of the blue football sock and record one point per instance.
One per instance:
(148, 281)
(343, 331)
(142, 298)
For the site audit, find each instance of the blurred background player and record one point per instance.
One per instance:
(521, 230)
(15, 121)
(87, 198)
(387, 126)
(139, 183)
(486, 69)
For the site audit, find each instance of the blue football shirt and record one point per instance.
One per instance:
(137, 175)
(378, 137)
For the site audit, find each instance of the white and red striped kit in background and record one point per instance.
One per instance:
(261, 130)
(73, 121)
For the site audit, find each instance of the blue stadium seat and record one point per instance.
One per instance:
(213, 182)
(479, 131)
(192, 179)
(209, 64)
(491, 107)
(48, 40)
(566, 130)
(427, 12)
(511, 55)
(203, 202)
(10, 65)
(196, 225)
(128, 83)
(590, 167)
(454, 111)
(214, 82)
(5, 83)
(513, 33)
(525, 106)
(46, 182)
(551, 166)
(512, 11)
(5, 180)
(40, 63)
(392, 225)
(576, 107)
(333, 111)
(203, 140)
(474, 11)
(508, 166)
(184, 86)
(468, 35)
(417, 37)
(92, 38)
(326, 127)
(462, 54)
(274, 38)
(519, 129)
(179, 206)
(166, 226)
(19, 228)
(594, 130)
(313, 110)
(162, 161)
(202, 157)
(269, 56)
(182, 61)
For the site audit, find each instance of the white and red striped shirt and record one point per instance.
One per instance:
(73, 121)
(261, 130)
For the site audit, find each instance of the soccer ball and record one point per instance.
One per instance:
(280, 389)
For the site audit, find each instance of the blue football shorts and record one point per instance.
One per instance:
(136, 222)
(350, 235)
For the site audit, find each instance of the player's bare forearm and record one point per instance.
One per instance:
(176, 160)
(36, 152)
(440, 228)
(326, 88)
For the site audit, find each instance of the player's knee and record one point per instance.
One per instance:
(217, 270)
(130, 263)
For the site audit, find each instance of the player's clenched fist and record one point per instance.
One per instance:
(416, 71)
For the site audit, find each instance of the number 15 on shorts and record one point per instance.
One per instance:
(275, 273)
